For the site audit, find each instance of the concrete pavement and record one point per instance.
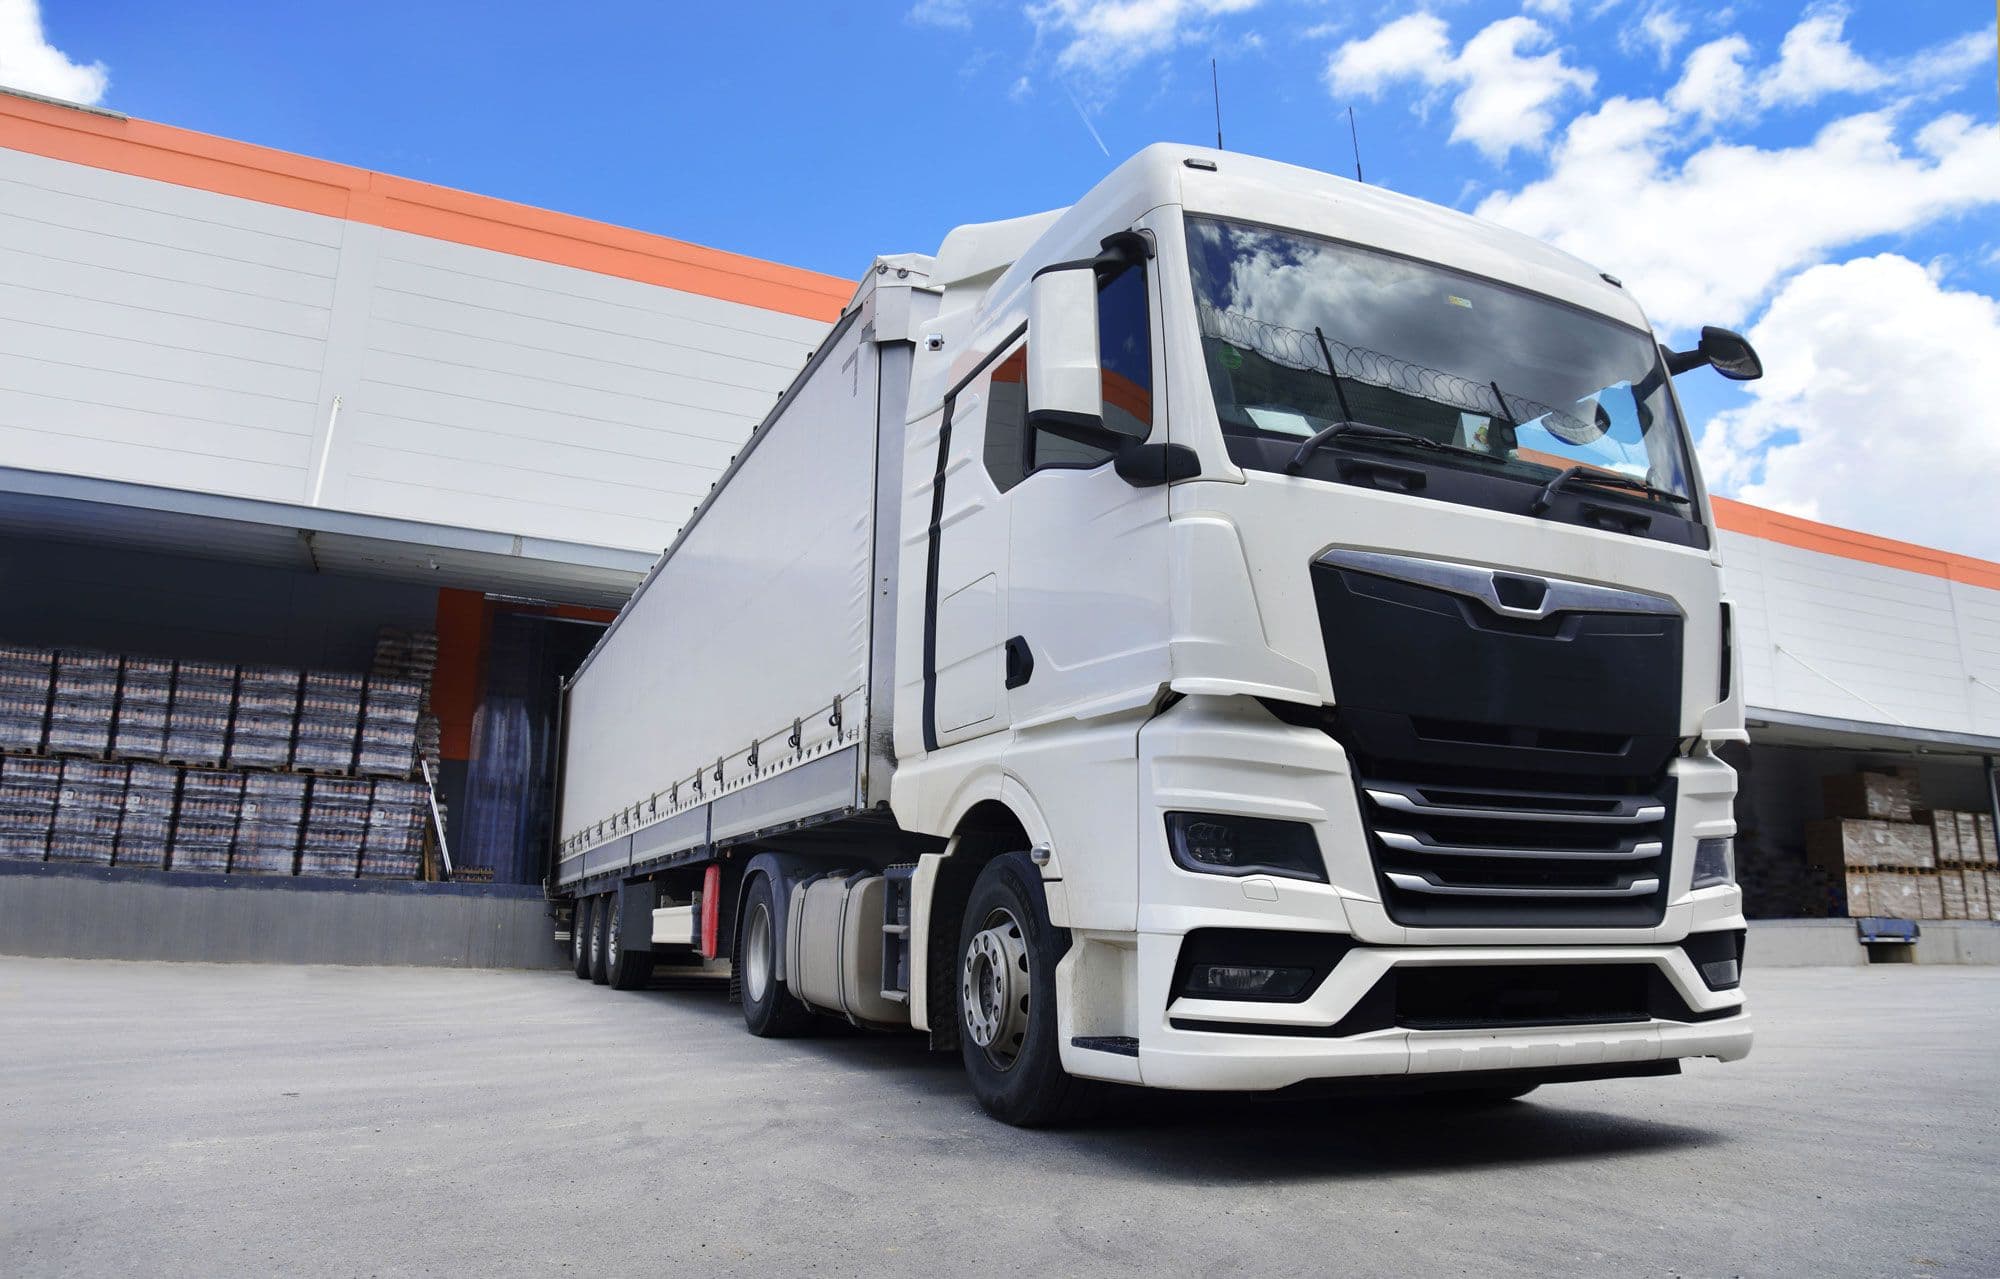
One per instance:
(197, 1119)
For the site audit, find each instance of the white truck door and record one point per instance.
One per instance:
(1086, 582)
(968, 658)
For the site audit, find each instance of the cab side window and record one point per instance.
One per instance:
(1125, 352)
(1005, 449)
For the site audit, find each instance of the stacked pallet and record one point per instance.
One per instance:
(269, 824)
(204, 699)
(27, 678)
(266, 715)
(336, 827)
(89, 799)
(84, 704)
(1899, 858)
(145, 696)
(329, 723)
(146, 823)
(393, 847)
(28, 790)
(412, 656)
(205, 822)
(388, 738)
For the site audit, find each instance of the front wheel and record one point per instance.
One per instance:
(769, 1010)
(1008, 952)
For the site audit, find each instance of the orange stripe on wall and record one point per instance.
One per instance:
(1810, 535)
(184, 158)
(459, 680)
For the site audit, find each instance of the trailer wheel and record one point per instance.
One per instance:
(600, 921)
(769, 1011)
(579, 938)
(1007, 999)
(624, 968)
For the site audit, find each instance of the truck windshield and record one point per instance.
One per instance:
(1526, 385)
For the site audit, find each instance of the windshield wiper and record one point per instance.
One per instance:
(1348, 426)
(1592, 475)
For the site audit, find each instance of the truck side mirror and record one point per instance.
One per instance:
(1728, 353)
(1065, 381)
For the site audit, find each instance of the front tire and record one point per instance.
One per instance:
(769, 1010)
(1007, 955)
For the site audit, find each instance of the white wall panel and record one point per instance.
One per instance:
(1822, 634)
(171, 336)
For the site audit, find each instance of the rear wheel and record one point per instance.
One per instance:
(1007, 999)
(600, 920)
(769, 1011)
(579, 938)
(624, 968)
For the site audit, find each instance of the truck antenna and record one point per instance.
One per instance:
(1354, 136)
(1215, 87)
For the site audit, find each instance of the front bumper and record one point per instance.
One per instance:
(1229, 755)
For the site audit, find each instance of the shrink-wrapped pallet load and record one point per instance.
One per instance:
(329, 722)
(91, 796)
(198, 722)
(267, 710)
(388, 740)
(205, 824)
(336, 827)
(270, 824)
(395, 842)
(146, 823)
(27, 676)
(28, 790)
(145, 697)
(85, 700)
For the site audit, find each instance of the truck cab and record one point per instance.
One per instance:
(1316, 589)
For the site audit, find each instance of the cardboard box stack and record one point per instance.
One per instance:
(329, 722)
(1966, 863)
(145, 695)
(394, 846)
(205, 824)
(270, 824)
(85, 701)
(28, 790)
(27, 676)
(336, 827)
(1900, 858)
(198, 723)
(267, 708)
(147, 823)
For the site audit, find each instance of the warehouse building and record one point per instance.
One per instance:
(314, 474)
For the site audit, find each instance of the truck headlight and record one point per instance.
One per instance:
(1219, 844)
(1714, 862)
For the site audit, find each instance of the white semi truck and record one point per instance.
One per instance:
(1247, 628)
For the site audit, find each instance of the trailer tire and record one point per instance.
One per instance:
(579, 938)
(600, 920)
(624, 968)
(769, 1010)
(1006, 999)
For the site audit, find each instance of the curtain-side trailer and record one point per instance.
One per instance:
(1243, 629)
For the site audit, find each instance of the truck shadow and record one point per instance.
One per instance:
(1205, 1138)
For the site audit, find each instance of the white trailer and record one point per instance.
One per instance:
(1245, 629)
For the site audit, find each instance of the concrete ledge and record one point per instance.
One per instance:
(1816, 943)
(91, 912)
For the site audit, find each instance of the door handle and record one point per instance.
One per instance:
(1020, 662)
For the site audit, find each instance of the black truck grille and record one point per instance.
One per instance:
(1468, 855)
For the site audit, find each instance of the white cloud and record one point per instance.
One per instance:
(1815, 60)
(1660, 29)
(1704, 239)
(1108, 36)
(1506, 90)
(28, 61)
(953, 14)
(1557, 9)
(1714, 83)
(1876, 407)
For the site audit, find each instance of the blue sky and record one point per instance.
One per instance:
(1825, 177)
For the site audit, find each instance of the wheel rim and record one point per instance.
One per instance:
(994, 986)
(611, 940)
(596, 933)
(579, 923)
(758, 954)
